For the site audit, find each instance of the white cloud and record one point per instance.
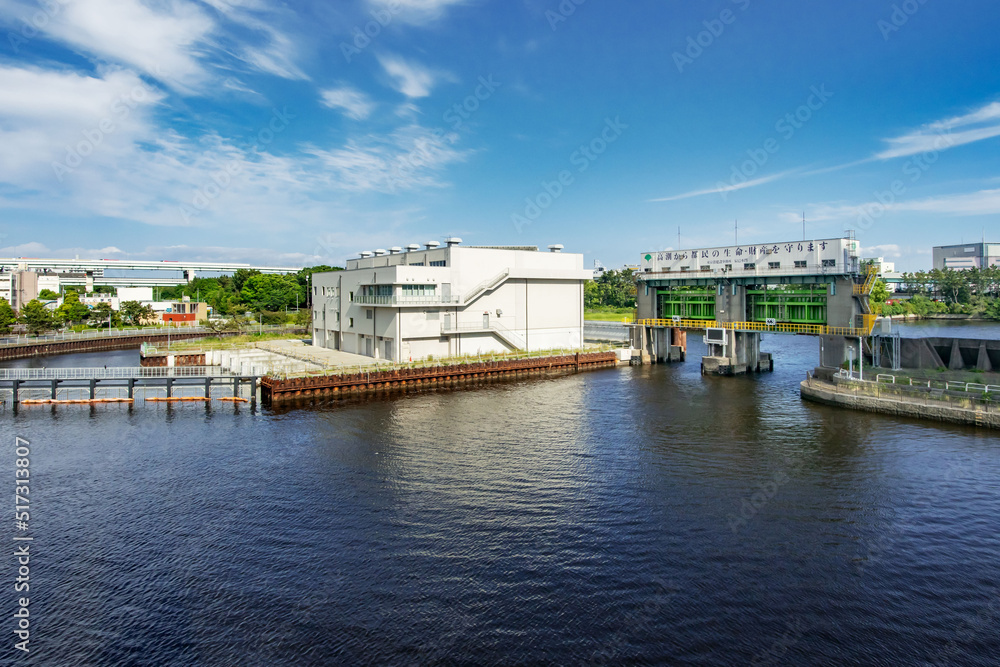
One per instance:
(983, 123)
(134, 170)
(415, 11)
(723, 189)
(178, 43)
(408, 158)
(355, 104)
(982, 202)
(49, 117)
(161, 42)
(275, 52)
(411, 79)
(889, 250)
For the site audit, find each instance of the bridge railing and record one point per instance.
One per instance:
(763, 327)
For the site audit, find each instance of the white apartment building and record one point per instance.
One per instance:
(403, 304)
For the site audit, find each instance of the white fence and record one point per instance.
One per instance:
(10, 341)
(950, 385)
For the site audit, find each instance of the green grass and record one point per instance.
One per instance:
(225, 343)
(455, 361)
(608, 314)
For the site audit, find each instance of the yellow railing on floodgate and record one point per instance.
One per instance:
(780, 327)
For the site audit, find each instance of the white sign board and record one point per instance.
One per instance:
(787, 258)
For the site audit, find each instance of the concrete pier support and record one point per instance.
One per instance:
(834, 351)
(983, 358)
(738, 353)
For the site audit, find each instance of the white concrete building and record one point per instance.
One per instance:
(408, 304)
(140, 294)
(887, 272)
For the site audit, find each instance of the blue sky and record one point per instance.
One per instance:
(301, 133)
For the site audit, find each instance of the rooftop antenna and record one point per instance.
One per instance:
(803, 225)
(736, 229)
(678, 237)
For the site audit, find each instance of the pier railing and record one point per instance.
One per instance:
(114, 372)
(946, 385)
(41, 339)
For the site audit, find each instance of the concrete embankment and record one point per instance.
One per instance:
(276, 390)
(595, 331)
(903, 400)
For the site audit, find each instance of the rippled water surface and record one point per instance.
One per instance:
(641, 515)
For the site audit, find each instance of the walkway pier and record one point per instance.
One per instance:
(97, 385)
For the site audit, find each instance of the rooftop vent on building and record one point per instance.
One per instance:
(430, 245)
(556, 247)
(413, 247)
(365, 254)
(381, 251)
(395, 250)
(453, 241)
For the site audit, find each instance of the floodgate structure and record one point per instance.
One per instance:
(736, 293)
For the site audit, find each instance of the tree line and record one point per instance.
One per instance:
(613, 289)
(974, 291)
(247, 290)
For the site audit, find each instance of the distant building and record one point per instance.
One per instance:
(91, 301)
(887, 272)
(966, 256)
(135, 294)
(398, 305)
(5, 282)
(185, 313)
(23, 286)
(599, 269)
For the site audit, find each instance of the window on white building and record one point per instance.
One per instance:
(419, 290)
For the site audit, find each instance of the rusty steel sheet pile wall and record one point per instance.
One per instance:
(406, 379)
(159, 360)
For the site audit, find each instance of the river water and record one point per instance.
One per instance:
(643, 515)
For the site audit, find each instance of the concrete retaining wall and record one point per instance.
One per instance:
(918, 402)
(611, 332)
(950, 353)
